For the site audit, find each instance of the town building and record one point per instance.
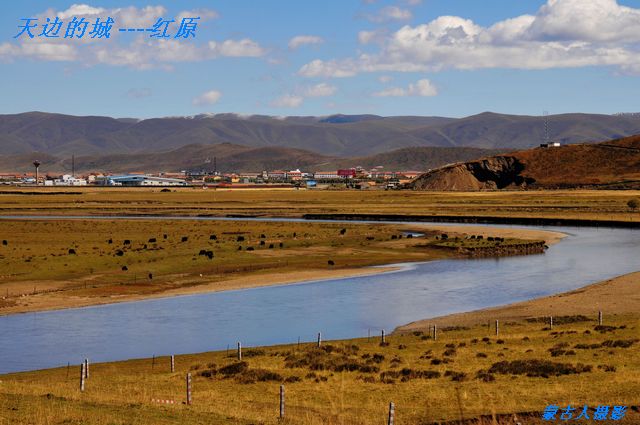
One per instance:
(66, 180)
(140, 180)
(326, 175)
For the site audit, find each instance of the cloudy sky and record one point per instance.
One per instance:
(293, 57)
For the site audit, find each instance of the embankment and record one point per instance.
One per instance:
(527, 221)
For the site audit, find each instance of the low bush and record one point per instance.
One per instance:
(537, 368)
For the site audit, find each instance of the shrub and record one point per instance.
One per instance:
(152, 240)
(127, 242)
(72, 251)
(125, 268)
(485, 376)
(213, 238)
(234, 368)
(240, 239)
(537, 368)
(331, 263)
(633, 204)
(456, 376)
(343, 231)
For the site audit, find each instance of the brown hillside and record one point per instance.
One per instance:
(608, 164)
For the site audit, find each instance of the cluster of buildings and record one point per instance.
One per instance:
(340, 175)
(349, 176)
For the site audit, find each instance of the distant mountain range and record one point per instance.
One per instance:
(229, 157)
(255, 143)
(334, 136)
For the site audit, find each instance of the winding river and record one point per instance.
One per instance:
(339, 308)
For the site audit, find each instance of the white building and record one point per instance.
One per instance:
(140, 180)
(66, 180)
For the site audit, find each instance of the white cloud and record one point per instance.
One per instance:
(207, 98)
(562, 34)
(288, 101)
(47, 51)
(391, 13)
(301, 40)
(422, 88)
(238, 48)
(320, 90)
(385, 78)
(80, 10)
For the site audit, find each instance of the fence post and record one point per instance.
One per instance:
(173, 363)
(189, 388)
(435, 332)
(600, 317)
(550, 322)
(392, 413)
(281, 401)
(319, 338)
(82, 377)
(497, 328)
(153, 362)
(239, 351)
(382, 340)
(86, 368)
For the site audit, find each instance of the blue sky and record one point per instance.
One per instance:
(401, 57)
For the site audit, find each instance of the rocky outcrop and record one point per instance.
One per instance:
(496, 172)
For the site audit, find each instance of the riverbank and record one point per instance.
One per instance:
(617, 296)
(466, 374)
(101, 271)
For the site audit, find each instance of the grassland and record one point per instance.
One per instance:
(467, 372)
(593, 205)
(72, 263)
(63, 263)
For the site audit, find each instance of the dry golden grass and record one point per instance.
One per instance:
(122, 392)
(596, 205)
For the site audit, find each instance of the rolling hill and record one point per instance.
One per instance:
(230, 157)
(614, 164)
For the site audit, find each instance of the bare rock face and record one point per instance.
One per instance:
(497, 172)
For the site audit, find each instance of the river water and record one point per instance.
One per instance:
(339, 308)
